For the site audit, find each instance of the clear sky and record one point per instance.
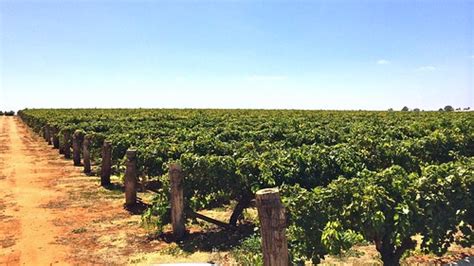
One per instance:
(237, 54)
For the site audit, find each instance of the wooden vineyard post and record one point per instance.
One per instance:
(177, 201)
(86, 156)
(61, 144)
(77, 140)
(131, 178)
(272, 218)
(67, 144)
(55, 138)
(47, 135)
(106, 163)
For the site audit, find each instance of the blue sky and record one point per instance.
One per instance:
(237, 54)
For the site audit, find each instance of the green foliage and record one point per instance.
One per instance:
(387, 208)
(307, 220)
(446, 200)
(335, 239)
(249, 252)
(159, 214)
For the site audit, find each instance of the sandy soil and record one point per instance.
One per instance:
(50, 213)
(27, 229)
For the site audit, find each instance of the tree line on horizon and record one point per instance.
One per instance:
(7, 113)
(447, 108)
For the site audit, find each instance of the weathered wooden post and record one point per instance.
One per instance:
(61, 143)
(55, 133)
(86, 154)
(44, 133)
(177, 201)
(131, 178)
(106, 163)
(67, 144)
(77, 139)
(271, 213)
(48, 134)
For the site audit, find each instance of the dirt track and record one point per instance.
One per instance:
(27, 229)
(50, 213)
(53, 214)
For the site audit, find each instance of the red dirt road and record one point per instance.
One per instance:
(50, 213)
(26, 227)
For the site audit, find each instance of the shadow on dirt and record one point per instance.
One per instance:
(115, 187)
(138, 208)
(216, 239)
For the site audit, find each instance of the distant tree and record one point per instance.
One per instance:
(467, 108)
(458, 109)
(440, 109)
(390, 109)
(405, 109)
(416, 110)
(448, 108)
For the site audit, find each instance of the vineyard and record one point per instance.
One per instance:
(343, 176)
